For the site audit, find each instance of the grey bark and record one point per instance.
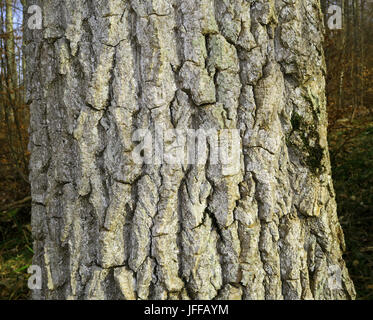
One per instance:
(106, 228)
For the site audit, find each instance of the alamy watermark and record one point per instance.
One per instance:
(334, 17)
(335, 278)
(35, 280)
(35, 22)
(159, 145)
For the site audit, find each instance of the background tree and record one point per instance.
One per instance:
(108, 228)
(15, 237)
(349, 96)
(13, 126)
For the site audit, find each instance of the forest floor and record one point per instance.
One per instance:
(15, 231)
(353, 180)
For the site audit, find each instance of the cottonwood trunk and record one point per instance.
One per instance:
(106, 227)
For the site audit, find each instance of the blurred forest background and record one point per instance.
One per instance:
(349, 58)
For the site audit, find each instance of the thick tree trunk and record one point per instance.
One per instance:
(108, 227)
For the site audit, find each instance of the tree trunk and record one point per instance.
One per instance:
(108, 227)
(10, 50)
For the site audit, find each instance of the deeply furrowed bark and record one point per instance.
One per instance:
(107, 228)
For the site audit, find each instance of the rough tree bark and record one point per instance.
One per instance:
(108, 228)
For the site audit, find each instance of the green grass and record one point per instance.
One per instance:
(353, 182)
(15, 254)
